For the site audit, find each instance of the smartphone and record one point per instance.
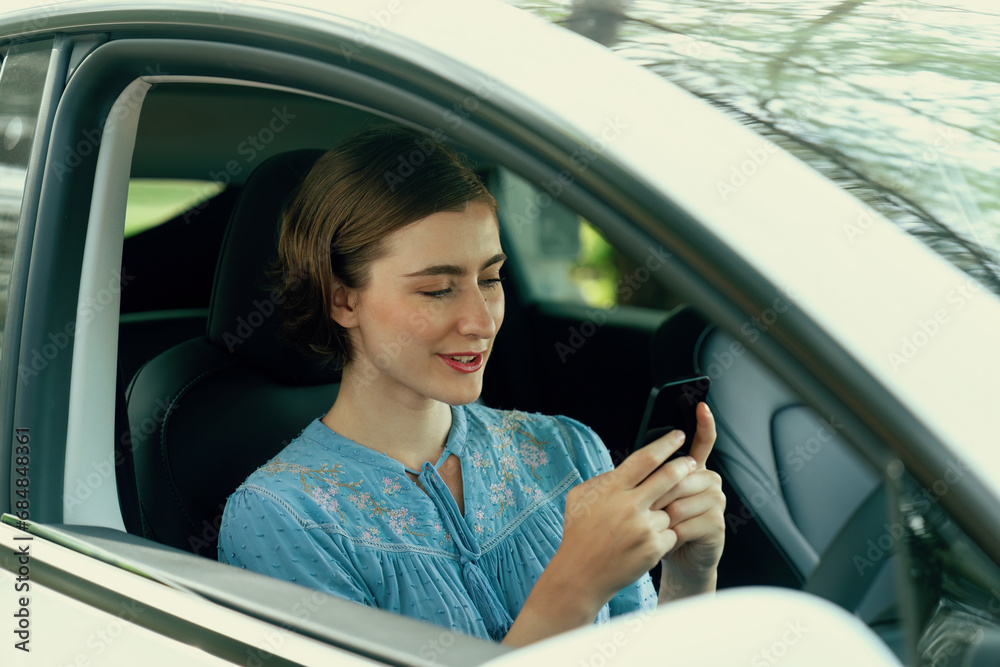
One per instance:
(672, 406)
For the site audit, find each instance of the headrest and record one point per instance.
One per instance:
(244, 318)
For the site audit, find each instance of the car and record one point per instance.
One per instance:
(147, 151)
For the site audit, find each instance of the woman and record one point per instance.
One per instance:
(407, 495)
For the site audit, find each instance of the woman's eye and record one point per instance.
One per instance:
(490, 283)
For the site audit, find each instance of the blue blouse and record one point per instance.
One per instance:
(337, 516)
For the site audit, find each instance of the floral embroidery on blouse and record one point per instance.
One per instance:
(322, 475)
(442, 535)
(479, 461)
(364, 502)
(477, 517)
(325, 485)
(533, 492)
(370, 533)
(533, 454)
(390, 486)
(400, 520)
(327, 499)
(528, 453)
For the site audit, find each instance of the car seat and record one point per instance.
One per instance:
(207, 412)
(793, 474)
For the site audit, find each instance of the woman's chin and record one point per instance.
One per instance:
(460, 395)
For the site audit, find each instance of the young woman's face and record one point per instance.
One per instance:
(427, 319)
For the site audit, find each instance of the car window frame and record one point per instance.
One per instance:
(48, 93)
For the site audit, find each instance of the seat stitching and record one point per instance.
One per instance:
(163, 435)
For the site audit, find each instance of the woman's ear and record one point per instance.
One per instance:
(343, 305)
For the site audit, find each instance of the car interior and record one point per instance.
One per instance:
(203, 391)
(211, 392)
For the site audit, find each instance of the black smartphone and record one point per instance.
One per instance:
(672, 406)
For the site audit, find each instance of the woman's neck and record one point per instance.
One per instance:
(410, 431)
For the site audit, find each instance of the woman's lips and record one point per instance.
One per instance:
(471, 367)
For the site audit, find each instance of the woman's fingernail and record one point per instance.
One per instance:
(691, 462)
(679, 436)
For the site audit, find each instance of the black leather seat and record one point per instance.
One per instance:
(207, 412)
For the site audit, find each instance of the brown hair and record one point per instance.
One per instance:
(355, 196)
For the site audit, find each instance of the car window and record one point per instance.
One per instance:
(20, 99)
(563, 258)
(154, 201)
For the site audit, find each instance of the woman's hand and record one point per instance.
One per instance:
(619, 524)
(611, 537)
(615, 528)
(696, 507)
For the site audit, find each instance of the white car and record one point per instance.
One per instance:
(146, 150)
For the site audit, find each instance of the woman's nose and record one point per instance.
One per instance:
(477, 316)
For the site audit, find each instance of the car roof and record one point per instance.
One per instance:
(915, 324)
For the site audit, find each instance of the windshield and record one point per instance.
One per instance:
(894, 100)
